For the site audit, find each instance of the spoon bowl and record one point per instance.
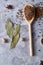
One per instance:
(32, 10)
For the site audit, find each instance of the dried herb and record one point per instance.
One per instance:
(17, 30)
(13, 33)
(9, 28)
(14, 41)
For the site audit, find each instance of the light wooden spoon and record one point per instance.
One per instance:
(29, 24)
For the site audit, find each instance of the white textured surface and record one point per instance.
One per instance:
(20, 54)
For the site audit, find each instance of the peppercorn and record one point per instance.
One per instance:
(4, 40)
(9, 7)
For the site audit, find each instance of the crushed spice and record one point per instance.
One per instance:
(29, 12)
(32, 0)
(20, 10)
(10, 7)
(39, 12)
(20, 14)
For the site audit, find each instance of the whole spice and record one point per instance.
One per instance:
(4, 40)
(23, 39)
(29, 12)
(10, 7)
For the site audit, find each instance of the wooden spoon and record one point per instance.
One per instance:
(29, 9)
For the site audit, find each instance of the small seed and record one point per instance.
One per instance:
(4, 40)
(23, 39)
(9, 7)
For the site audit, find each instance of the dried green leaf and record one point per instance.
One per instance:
(14, 41)
(15, 37)
(11, 31)
(17, 30)
(9, 28)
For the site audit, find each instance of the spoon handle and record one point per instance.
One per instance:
(30, 40)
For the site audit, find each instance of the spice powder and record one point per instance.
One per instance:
(39, 12)
(29, 12)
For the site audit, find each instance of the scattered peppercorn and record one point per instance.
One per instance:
(23, 39)
(10, 7)
(4, 40)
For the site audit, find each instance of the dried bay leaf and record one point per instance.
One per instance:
(9, 28)
(14, 41)
(17, 30)
(15, 37)
(13, 33)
